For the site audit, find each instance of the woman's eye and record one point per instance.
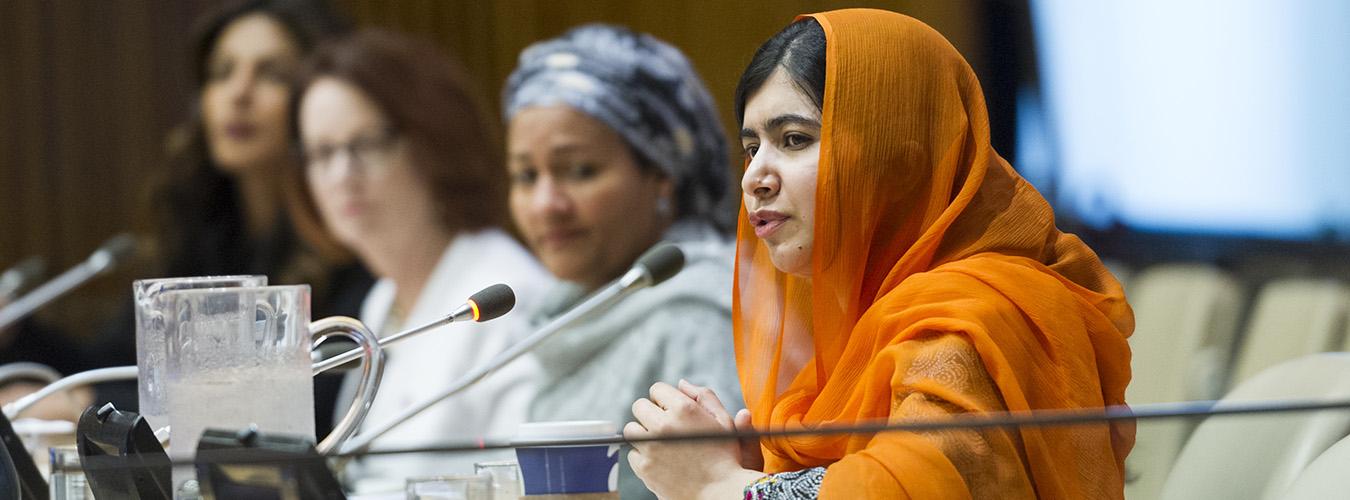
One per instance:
(319, 155)
(218, 71)
(524, 177)
(582, 172)
(796, 140)
(274, 73)
(751, 150)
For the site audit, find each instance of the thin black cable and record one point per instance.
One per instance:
(1034, 418)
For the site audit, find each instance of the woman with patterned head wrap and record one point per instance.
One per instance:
(892, 266)
(613, 146)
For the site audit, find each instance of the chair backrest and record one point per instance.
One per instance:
(1121, 271)
(1292, 318)
(1325, 477)
(1186, 316)
(1259, 456)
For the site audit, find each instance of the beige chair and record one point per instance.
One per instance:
(1257, 457)
(1120, 270)
(1292, 318)
(1185, 319)
(1325, 477)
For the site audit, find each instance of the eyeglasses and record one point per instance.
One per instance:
(366, 154)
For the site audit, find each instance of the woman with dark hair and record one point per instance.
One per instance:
(403, 168)
(613, 146)
(220, 208)
(891, 266)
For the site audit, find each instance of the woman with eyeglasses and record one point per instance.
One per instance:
(403, 168)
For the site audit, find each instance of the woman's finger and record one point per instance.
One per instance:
(708, 400)
(752, 457)
(669, 398)
(634, 431)
(638, 462)
(743, 422)
(647, 413)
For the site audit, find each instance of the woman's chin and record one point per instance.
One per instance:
(565, 268)
(791, 260)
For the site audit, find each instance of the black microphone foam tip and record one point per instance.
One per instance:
(492, 302)
(662, 262)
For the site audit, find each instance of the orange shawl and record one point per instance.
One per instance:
(940, 285)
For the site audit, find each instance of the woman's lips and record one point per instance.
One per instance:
(240, 131)
(560, 237)
(766, 222)
(353, 208)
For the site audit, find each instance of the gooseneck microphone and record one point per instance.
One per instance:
(21, 275)
(652, 268)
(101, 261)
(489, 303)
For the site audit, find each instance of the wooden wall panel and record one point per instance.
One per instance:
(87, 92)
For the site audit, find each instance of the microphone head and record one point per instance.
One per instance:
(21, 275)
(113, 251)
(492, 302)
(661, 262)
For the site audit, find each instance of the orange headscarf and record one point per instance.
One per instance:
(939, 285)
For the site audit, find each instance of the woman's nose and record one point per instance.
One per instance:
(760, 179)
(549, 198)
(241, 86)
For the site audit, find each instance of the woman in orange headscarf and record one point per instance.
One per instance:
(892, 266)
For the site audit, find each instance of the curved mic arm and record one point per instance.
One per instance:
(25, 370)
(371, 372)
(12, 410)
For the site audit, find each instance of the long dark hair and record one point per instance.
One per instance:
(800, 50)
(195, 208)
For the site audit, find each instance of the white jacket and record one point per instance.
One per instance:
(421, 366)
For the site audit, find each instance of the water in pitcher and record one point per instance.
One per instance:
(238, 357)
(151, 335)
(205, 400)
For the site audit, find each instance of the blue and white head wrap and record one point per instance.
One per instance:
(645, 90)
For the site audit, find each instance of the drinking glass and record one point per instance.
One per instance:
(450, 487)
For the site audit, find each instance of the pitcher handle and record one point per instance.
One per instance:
(372, 368)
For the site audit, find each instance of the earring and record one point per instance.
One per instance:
(663, 206)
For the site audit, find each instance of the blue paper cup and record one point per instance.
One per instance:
(565, 470)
